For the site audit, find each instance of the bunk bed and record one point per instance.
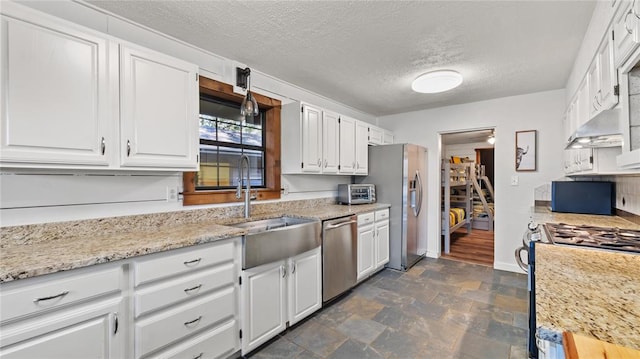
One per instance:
(483, 197)
(457, 199)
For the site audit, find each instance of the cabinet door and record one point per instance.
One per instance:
(375, 135)
(387, 138)
(330, 146)
(55, 94)
(347, 145)
(159, 110)
(593, 76)
(382, 243)
(366, 251)
(82, 332)
(583, 104)
(305, 285)
(362, 148)
(607, 97)
(264, 304)
(311, 139)
(626, 27)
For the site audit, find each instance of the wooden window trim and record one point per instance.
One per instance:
(272, 109)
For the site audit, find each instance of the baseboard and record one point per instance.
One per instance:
(509, 267)
(432, 254)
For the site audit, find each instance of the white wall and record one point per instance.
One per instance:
(541, 111)
(29, 197)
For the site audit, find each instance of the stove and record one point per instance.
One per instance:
(618, 239)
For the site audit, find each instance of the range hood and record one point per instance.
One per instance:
(601, 131)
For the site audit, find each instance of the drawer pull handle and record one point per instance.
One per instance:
(193, 288)
(115, 323)
(193, 321)
(199, 356)
(192, 261)
(51, 297)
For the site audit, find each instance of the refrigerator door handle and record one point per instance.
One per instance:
(417, 187)
(416, 210)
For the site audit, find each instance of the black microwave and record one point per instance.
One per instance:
(587, 197)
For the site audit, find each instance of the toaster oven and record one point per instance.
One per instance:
(356, 193)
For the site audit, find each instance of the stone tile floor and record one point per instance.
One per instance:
(438, 309)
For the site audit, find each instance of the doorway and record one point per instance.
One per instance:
(467, 196)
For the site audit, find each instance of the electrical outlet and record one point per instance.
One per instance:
(286, 189)
(514, 180)
(172, 194)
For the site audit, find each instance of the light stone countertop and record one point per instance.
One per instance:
(588, 291)
(544, 215)
(32, 250)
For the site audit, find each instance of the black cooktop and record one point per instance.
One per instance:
(619, 239)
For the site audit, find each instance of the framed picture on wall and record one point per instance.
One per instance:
(526, 150)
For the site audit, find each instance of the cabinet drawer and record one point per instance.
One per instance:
(173, 291)
(215, 343)
(366, 218)
(56, 293)
(169, 326)
(155, 268)
(382, 214)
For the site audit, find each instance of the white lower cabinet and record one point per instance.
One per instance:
(278, 293)
(305, 285)
(366, 251)
(185, 302)
(382, 241)
(373, 242)
(65, 316)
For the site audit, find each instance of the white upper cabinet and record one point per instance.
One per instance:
(387, 138)
(330, 146)
(159, 110)
(602, 79)
(347, 145)
(626, 27)
(311, 139)
(354, 151)
(376, 135)
(361, 148)
(608, 95)
(76, 98)
(55, 101)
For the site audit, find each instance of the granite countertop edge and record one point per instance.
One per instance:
(21, 261)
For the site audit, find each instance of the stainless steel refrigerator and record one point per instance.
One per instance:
(399, 173)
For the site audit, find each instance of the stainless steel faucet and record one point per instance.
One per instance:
(247, 191)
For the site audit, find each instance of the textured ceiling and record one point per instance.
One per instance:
(366, 53)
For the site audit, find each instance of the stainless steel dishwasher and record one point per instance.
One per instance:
(339, 256)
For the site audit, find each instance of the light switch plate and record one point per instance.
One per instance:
(514, 180)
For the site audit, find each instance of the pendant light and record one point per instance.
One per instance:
(492, 138)
(249, 106)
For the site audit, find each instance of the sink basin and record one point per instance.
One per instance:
(272, 223)
(271, 240)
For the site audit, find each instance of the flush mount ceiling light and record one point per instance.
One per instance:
(437, 81)
(249, 106)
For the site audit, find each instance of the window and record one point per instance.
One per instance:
(224, 137)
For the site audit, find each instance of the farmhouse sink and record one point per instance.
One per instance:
(271, 240)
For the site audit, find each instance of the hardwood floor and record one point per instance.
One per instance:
(476, 247)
